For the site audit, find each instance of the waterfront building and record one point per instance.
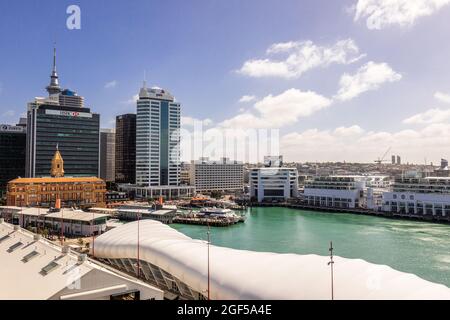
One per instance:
(34, 268)
(261, 276)
(415, 195)
(157, 138)
(155, 192)
(342, 191)
(107, 154)
(443, 170)
(72, 191)
(125, 155)
(12, 154)
(62, 119)
(273, 184)
(185, 174)
(75, 223)
(223, 175)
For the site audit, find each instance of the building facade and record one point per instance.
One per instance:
(223, 175)
(61, 119)
(107, 154)
(335, 191)
(345, 191)
(157, 138)
(125, 155)
(12, 154)
(419, 196)
(44, 192)
(273, 184)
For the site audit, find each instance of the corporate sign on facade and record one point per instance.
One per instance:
(9, 128)
(72, 114)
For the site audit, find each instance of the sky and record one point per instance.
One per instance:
(336, 80)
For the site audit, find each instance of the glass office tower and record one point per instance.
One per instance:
(62, 120)
(157, 138)
(126, 148)
(12, 154)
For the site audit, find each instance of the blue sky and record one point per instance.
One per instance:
(196, 48)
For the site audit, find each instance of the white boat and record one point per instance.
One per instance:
(217, 212)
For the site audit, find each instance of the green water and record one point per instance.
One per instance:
(409, 246)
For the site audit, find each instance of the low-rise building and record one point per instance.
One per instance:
(72, 191)
(223, 175)
(348, 192)
(419, 196)
(273, 184)
(156, 192)
(33, 268)
(74, 223)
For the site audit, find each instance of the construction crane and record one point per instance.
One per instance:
(381, 160)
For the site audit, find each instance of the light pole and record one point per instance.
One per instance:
(331, 263)
(209, 278)
(138, 249)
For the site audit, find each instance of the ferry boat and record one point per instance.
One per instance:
(219, 213)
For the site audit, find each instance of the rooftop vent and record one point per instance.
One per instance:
(4, 238)
(15, 247)
(16, 227)
(2, 220)
(82, 258)
(37, 237)
(49, 268)
(30, 256)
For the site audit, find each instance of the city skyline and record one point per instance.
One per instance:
(345, 84)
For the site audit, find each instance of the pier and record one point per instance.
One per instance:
(207, 221)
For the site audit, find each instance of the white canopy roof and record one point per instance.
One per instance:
(240, 274)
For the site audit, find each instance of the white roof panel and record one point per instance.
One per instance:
(241, 274)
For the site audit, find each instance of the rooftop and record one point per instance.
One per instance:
(33, 268)
(243, 274)
(66, 214)
(56, 180)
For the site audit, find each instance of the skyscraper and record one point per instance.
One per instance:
(12, 153)
(157, 138)
(107, 154)
(61, 119)
(125, 162)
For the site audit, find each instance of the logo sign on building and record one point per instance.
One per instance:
(72, 114)
(8, 128)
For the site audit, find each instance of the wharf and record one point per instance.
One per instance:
(207, 221)
(393, 215)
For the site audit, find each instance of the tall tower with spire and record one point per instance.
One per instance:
(53, 87)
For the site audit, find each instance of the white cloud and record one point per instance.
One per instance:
(330, 145)
(245, 99)
(380, 14)
(132, 100)
(348, 131)
(190, 122)
(281, 110)
(111, 84)
(369, 77)
(301, 57)
(430, 116)
(9, 113)
(443, 97)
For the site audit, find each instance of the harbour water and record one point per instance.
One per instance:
(415, 247)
